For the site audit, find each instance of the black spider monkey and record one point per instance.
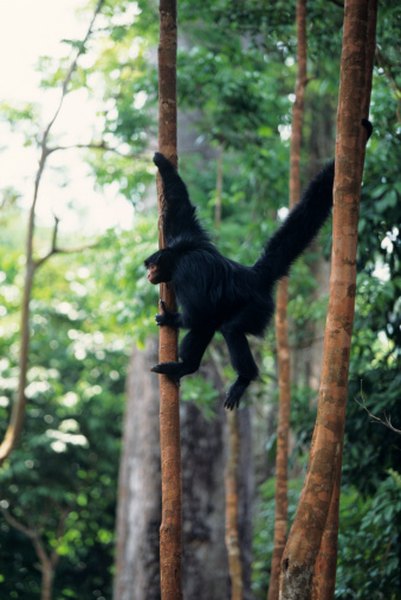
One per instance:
(218, 294)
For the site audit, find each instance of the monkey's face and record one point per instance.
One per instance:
(153, 274)
(159, 267)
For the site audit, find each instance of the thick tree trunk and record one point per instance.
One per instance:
(281, 321)
(139, 501)
(139, 491)
(325, 568)
(204, 565)
(306, 534)
(170, 529)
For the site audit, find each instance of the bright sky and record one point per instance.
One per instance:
(29, 29)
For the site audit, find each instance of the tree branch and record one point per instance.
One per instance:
(95, 146)
(54, 249)
(386, 421)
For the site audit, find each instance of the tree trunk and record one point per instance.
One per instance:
(307, 352)
(306, 533)
(46, 591)
(246, 492)
(138, 511)
(170, 529)
(231, 487)
(325, 569)
(283, 424)
(281, 321)
(204, 565)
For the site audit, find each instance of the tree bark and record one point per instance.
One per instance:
(325, 568)
(281, 320)
(47, 582)
(231, 487)
(204, 565)
(139, 489)
(306, 533)
(170, 529)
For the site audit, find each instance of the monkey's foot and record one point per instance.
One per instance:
(231, 401)
(236, 392)
(171, 369)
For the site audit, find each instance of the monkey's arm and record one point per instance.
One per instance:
(180, 222)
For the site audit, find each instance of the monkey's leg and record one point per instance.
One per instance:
(242, 361)
(192, 349)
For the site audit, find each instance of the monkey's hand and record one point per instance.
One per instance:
(167, 317)
(161, 161)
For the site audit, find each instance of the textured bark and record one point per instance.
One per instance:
(246, 493)
(306, 533)
(307, 352)
(283, 421)
(324, 577)
(170, 529)
(231, 487)
(138, 511)
(325, 568)
(281, 321)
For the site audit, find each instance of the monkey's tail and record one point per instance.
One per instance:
(299, 228)
(301, 225)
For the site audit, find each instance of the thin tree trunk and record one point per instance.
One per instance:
(325, 568)
(231, 487)
(47, 582)
(283, 424)
(170, 529)
(219, 189)
(231, 479)
(306, 533)
(281, 321)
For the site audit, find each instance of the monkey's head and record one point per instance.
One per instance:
(160, 266)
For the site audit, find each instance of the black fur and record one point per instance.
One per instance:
(218, 294)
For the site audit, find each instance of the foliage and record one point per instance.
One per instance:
(369, 543)
(236, 77)
(61, 480)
